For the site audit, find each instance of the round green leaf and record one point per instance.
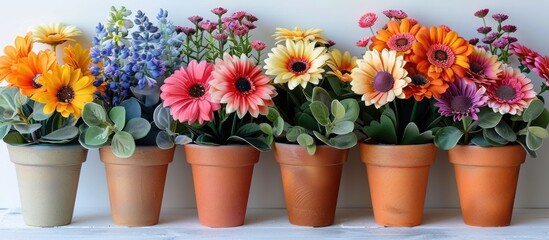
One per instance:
(94, 114)
(4, 129)
(351, 109)
(14, 138)
(320, 112)
(183, 139)
(138, 127)
(38, 112)
(164, 140)
(321, 95)
(96, 136)
(488, 118)
(311, 149)
(266, 128)
(123, 144)
(535, 109)
(161, 117)
(27, 128)
(133, 109)
(533, 142)
(538, 132)
(343, 127)
(65, 133)
(506, 132)
(447, 137)
(118, 117)
(338, 110)
(305, 140)
(344, 141)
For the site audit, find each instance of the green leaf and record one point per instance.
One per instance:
(321, 95)
(257, 143)
(535, 109)
(307, 121)
(161, 117)
(533, 142)
(352, 109)
(294, 132)
(38, 112)
(118, 117)
(266, 128)
(96, 136)
(138, 127)
(65, 133)
(248, 130)
(391, 114)
(338, 110)
(311, 149)
(123, 144)
(480, 141)
(412, 136)
(305, 140)
(8, 95)
(344, 141)
(488, 118)
(542, 121)
(335, 84)
(183, 139)
(493, 137)
(278, 126)
(27, 128)
(538, 132)
(343, 127)
(320, 112)
(14, 138)
(383, 131)
(447, 137)
(206, 139)
(505, 131)
(321, 137)
(164, 140)
(4, 129)
(20, 99)
(273, 114)
(93, 114)
(133, 109)
(522, 141)
(269, 139)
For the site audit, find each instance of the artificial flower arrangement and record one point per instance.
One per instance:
(220, 95)
(130, 61)
(315, 100)
(495, 103)
(43, 99)
(404, 69)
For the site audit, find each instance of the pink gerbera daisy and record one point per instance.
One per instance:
(512, 94)
(526, 55)
(542, 68)
(484, 67)
(461, 100)
(186, 92)
(367, 20)
(242, 86)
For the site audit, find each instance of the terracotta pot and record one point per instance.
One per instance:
(48, 180)
(397, 177)
(311, 182)
(487, 181)
(222, 176)
(136, 184)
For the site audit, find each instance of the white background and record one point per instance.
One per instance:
(339, 19)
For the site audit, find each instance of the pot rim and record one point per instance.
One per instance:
(234, 155)
(66, 155)
(297, 155)
(386, 155)
(143, 156)
(499, 156)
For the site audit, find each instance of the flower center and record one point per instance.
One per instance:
(52, 34)
(383, 82)
(476, 68)
(298, 66)
(243, 85)
(197, 90)
(419, 80)
(461, 104)
(441, 56)
(343, 72)
(401, 42)
(34, 82)
(506, 92)
(65, 94)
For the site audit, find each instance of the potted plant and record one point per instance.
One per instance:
(130, 61)
(40, 109)
(396, 77)
(314, 121)
(492, 118)
(216, 104)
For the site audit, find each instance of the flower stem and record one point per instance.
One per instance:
(465, 131)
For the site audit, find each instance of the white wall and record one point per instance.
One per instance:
(339, 19)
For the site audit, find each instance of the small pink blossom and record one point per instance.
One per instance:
(484, 29)
(501, 43)
(238, 15)
(251, 17)
(490, 38)
(446, 28)
(482, 13)
(258, 45)
(367, 20)
(230, 24)
(509, 28)
(221, 36)
(186, 30)
(398, 14)
(207, 25)
(473, 41)
(510, 39)
(412, 21)
(219, 11)
(248, 24)
(330, 43)
(241, 30)
(363, 42)
(500, 17)
(195, 19)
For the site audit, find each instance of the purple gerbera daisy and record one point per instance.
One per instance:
(461, 100)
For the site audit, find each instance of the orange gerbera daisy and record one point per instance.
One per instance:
(423, 86)
(399, 36)
(441, 54)
(8, 62)
(78, 58)
(341, 64)
(29, 71)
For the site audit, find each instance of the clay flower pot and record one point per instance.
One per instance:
(487, 181)
(311, 182)
(397, 177)
(136, 184)
(48, 180)
(222, 176)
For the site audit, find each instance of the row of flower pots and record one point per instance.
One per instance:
(397, 175)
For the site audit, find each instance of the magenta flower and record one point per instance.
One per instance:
(485, 47)
(461, 100)
(482, 13)
(500, 17)
(241, 30)
(484, 29)
(398, 14)
(490, 38)
(509, 28)
(207, 25)
(186, 30)
(367, 20)
(220, 36)
(219, 11)
(512, 93)
(542, 68)
(526, 55)
(238, 15)
(258, 45)
(363, 42)
(473, 41)
(230, 24)
(248, 24)
(510, 39)
(251, 17)
(501, 43)
(330, 43)
(412, 21)
(195, 19)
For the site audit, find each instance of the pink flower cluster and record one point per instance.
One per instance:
(238, 23)
(533, 60)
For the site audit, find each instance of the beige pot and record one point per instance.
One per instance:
(48, 180)
(136, 184)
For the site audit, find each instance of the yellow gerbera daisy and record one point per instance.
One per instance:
(67, 90)
(8, 62)
(341, 64)
(380, 77)
(78, 58)
(296, 63)
(54, 34)
(30, 70)
(298, 34)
